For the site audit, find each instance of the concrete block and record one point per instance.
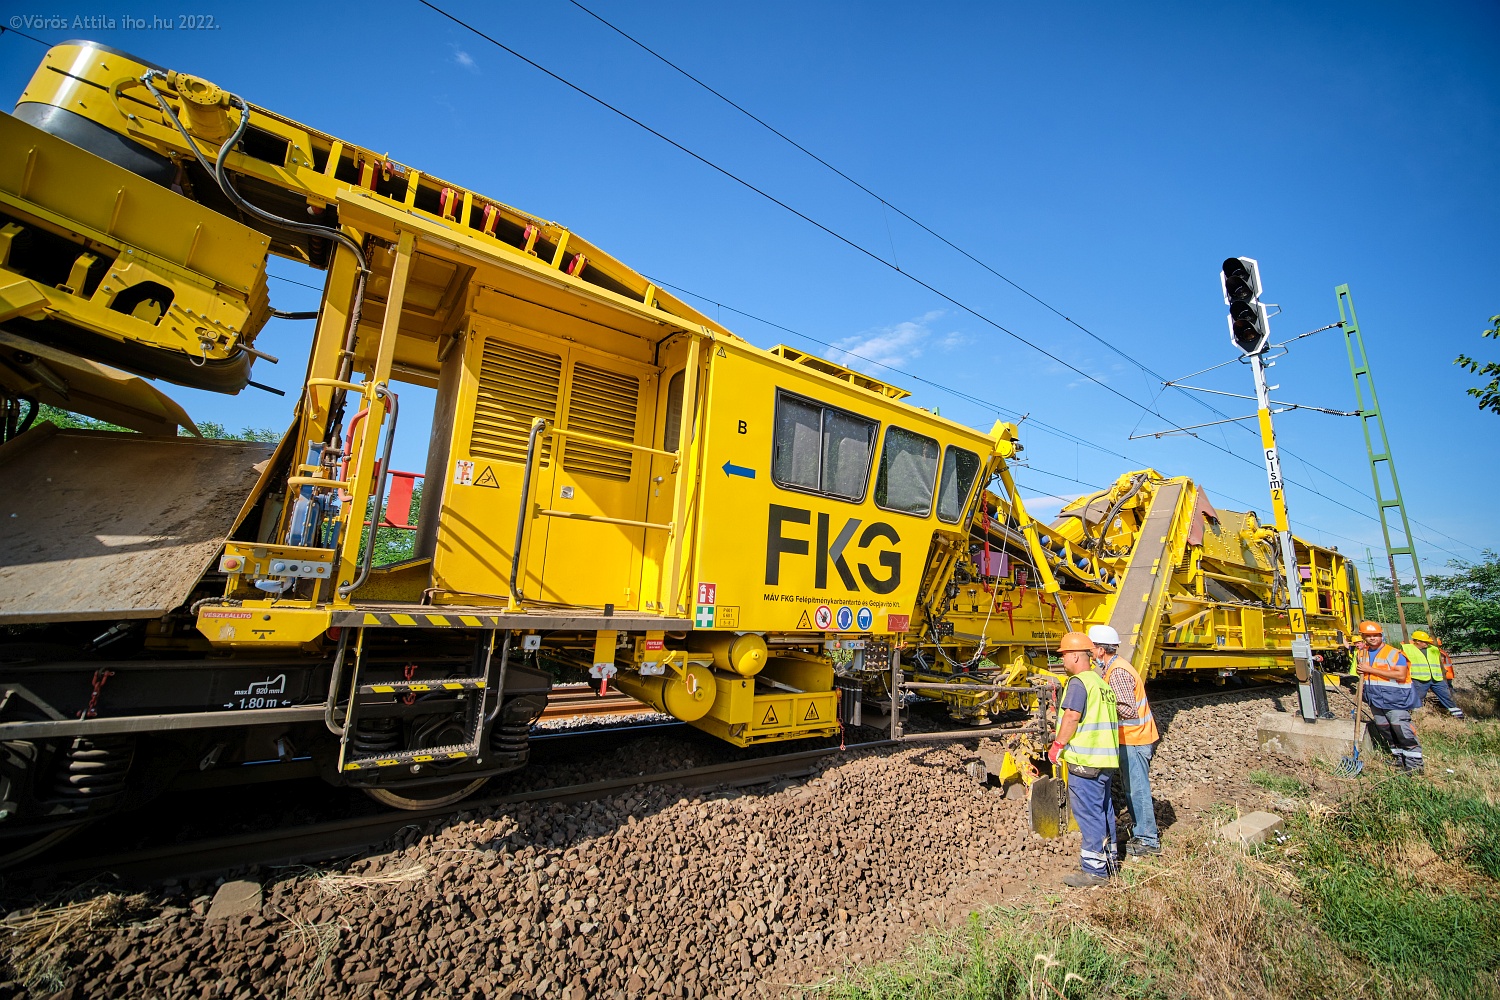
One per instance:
(1252, 829)
(235, 899)
(1327, 740)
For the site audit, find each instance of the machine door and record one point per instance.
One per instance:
(593, 562)
(570, 556)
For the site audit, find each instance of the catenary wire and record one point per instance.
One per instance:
(852, 244)
(1144, 368)
(988, 404)
(887, 204)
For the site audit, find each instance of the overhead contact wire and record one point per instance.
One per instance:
(887, 204)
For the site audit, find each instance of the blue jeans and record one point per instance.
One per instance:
(1444, 693)
(1135, 782)
(1089, 800)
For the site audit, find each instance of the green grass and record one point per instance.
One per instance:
(1406, 877)
(1393, 893)
(1471, 740)
(999, 954)
(1283, 784)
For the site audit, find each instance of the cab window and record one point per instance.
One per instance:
(908, 472)
(821, 449)
(960, 467)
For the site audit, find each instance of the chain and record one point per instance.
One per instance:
(100, 677)
(411, 672)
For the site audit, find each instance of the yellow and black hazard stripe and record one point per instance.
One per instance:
(422, 687)
(424, 619)
(418, 757)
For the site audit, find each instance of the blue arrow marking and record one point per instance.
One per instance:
(731, 469)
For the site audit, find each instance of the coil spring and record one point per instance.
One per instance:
(93, 767)
(376, 736)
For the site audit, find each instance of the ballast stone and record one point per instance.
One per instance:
(235, 899)
(1327, 740)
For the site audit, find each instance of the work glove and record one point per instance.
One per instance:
(1055, 751)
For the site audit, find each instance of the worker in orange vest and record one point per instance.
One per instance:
(1388, 692)
(1138, 738)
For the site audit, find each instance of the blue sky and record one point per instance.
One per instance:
(1104, 157)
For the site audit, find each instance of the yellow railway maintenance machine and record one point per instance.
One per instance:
(736, 536)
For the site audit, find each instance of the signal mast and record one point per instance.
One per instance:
(1250, 329)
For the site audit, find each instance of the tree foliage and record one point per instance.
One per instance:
(1488, 395)
(68, 420)
(393, 545)
(1466, 608)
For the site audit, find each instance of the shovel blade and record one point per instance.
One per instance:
(1047, 805)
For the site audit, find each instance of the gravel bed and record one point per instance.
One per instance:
(658, 892)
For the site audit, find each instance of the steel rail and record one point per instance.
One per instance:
(320, 841)
(338, 838)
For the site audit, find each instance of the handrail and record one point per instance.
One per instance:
(601, 519)
(382, 392)
(331, 705)
(537, 426)
(612, 442)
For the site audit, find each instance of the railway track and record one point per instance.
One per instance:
(337, 838)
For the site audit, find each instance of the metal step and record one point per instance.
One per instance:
(424, 756)
(422, 687)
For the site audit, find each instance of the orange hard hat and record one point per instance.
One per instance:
(1075, 642)
(1371, 628)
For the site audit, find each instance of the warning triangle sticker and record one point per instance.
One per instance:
(804, 621)
(812, 712)
(487, 478)
(770, 719)
(722, 354)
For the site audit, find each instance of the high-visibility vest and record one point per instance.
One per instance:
(1426, 664)
(1096, 742)
(1387, 657)
(1140, 731)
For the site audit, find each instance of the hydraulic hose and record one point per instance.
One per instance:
(216, 170)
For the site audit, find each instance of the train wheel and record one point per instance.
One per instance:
(434, 796)
(13, 852)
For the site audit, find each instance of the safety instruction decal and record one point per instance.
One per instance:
(770, 719)
(708, 593)
(812, 712)
(487, 478)
(463, 473)
(823, 617)
(805, 621)
(727, 616)
(898, 623)
(846, 618)
(865, 619)
(704, 618)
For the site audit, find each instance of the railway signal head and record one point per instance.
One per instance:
(1249, 326)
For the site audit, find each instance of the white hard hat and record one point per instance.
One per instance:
(1104, 635)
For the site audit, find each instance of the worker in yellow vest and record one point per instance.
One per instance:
(1427, 672)
(1138, 738)
(1088, 743)
(1387, 676)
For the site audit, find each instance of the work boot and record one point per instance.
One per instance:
(1083, 880)
(1140, 849)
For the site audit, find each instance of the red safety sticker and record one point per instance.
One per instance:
(708, 593)
(654, 644)
(897, 623)
(226, 614)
